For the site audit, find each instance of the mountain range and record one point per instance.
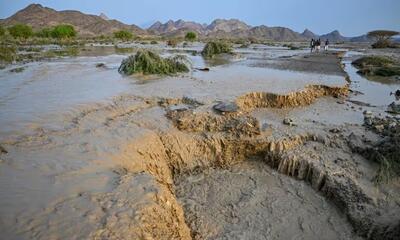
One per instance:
(90, 25)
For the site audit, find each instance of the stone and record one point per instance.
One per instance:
(367, 112)
(226, 107)
(289, 121)
(394, 108)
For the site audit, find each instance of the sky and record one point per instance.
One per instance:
(350, 17)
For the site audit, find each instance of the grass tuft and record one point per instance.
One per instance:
(216, 47)
(148, 62)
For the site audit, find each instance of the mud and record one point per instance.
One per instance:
(160, 163)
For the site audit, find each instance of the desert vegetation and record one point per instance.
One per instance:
(213, 48)
(20, 31)
(377, 66)
(172, 42)
(382, 38)
(148, 62)
(190, 36)
(63, 31)
(7, 54)
(123, 35)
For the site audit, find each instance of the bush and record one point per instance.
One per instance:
(123, 35)
(153, 42)
(191, 36)
(213, 48)
(21, 31)
(63, 31)
(148, 62)
(44, 33)
(172, 42)
(2, 31)
(7, 54)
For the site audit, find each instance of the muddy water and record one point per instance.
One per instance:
(52, 88)
(61, 177)
(373, 91)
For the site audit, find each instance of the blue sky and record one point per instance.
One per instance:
(350, 17)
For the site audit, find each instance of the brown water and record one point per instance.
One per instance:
(62, 121)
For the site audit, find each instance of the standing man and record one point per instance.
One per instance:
(326, 44)
(312, 44)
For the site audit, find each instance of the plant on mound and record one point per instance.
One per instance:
(373, 61)
(377, 65)
(216, 47)
(148, 62)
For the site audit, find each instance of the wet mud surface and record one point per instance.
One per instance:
(153, 159)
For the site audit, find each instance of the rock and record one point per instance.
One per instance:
(289, 121)
(3, 150)
(100, 65)
(203, 69)
(367, 112)
(334, 130)
(368, 120)
(379, 128)
(226, 107)
(356, 143)
(394, 108)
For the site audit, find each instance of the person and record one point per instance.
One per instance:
(312, 44)
(318, 44)
(326, 44)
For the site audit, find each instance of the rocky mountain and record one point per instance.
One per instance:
(176, 27)
(307, 34)
(103, 16)
(86, 24)
(334, 36)
(227, 25)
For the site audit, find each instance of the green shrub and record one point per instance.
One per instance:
(153, 42)
(123, 35)
(214, 48)
(21, 31)
(63, 31)
(148, 62)
(7, 54)
(44, 33)
(191, 36)
(2, 31)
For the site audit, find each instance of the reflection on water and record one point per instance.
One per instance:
(375, 91)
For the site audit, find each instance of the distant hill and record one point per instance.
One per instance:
(334, 36)
(307, 34)
(86, 24)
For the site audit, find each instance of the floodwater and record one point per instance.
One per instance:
(44, 91)
(53, 177)
(372, 91)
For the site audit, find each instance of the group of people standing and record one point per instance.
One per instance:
(315, 45)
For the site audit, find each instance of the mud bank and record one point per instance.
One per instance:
(295, 99)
